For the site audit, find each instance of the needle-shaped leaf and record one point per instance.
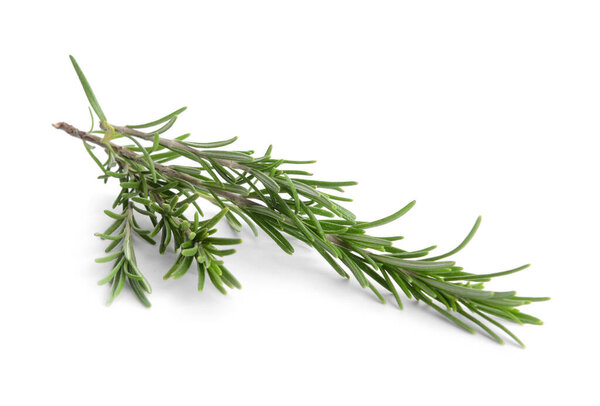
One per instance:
(266, 181)
(89, 150)
(117, 285)
(462, 245)
(201, 275)
(488, 276)
(88, 90)
(325, 184)
(160, 120)
(215, 144)
(109, 258)
(213, 221)
(389, 218)
(412, 265)
(147, 156)
(112, 273)
(228, 277)
(139, 293)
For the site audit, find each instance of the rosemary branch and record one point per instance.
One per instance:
(262, 192)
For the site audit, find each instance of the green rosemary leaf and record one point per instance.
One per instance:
(287, 161)
(109, 258)
(411, 254)
(89, 150)
(450, 316)
(424, 288)
(325, 184)
(532, 299)
(147, 156)
(165, 237)
(266, 181)
(160, 120)
(221, 253)
(157, 228)
(497, 324)
(398, 278)
(475, 277)
(338, 198)
(392, 288)
(223, 172)
(389, 218)
(295, 172)
(112, 246)
(233, 222)
(183, 267)
(113, 272)
(131, 275)
(274, 234)
(88, 90)
(223, 241)
(142, 211)
(498, 312)
(293, 193)
(143, 282)
(343, 212)
(116, 175)
(356, 271)
(201, 276)
(164, 156)
(290, 214)
(114, 215)
(110, 237)
(117, 286)
(92, 118)
(213, 222)
(526, 318)
(397, 238)
(133, 185)
(367, 241)
(228, 277)
(227, 155)
(216, 281)
(155, 143)
(332, 262)
(313, 220)
(482, 325)
(139, 293)
(190, 252)
(216, 144)
(330, 228)
(462, 244)
(374, 290)
(266, 212)
(244, 217)
(458, 289)
(175, 266)
(412, 265)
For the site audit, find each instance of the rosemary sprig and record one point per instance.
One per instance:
(284, 202)
(120, 233)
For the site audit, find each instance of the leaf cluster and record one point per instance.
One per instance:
(284, 201)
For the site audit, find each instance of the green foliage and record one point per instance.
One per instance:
(125, 268)
(283, 201)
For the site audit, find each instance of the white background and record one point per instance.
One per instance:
(469, 107)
